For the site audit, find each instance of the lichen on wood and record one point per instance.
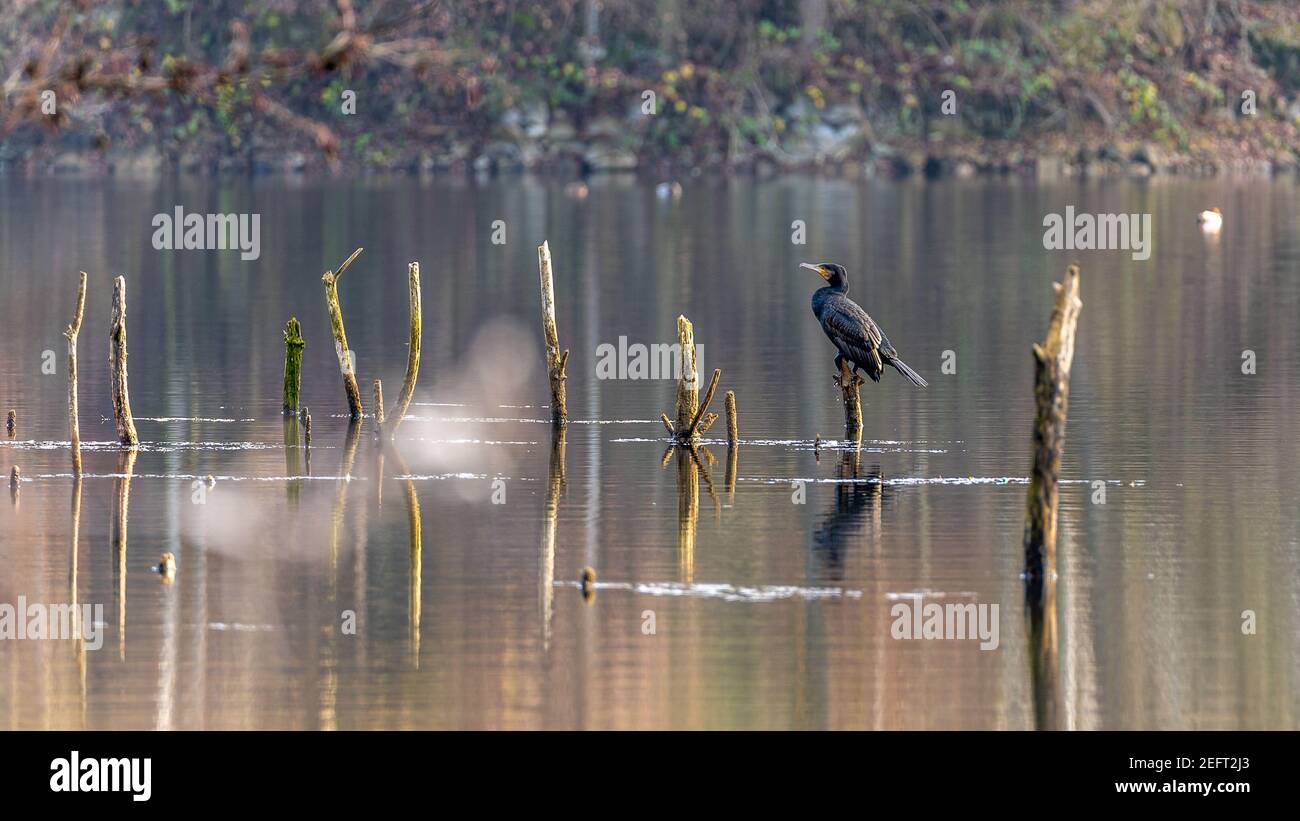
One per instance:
(293, 345)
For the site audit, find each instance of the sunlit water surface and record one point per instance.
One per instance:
(731, 605)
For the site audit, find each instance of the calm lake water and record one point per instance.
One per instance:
(731, 607)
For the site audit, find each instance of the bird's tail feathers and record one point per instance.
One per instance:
(911, 375)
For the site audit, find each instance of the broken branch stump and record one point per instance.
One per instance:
(1052, 361)
(293, 345)
(331, 280)
(556, 362)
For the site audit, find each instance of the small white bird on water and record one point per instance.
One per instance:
(1211, 221)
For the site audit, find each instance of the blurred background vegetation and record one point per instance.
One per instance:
(502, 84)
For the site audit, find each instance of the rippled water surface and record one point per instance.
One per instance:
(721, 601)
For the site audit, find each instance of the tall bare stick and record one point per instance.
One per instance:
(117, 360)
(413, 351)
(74, 425)
(556, 362)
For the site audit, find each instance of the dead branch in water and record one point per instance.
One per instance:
(1052, 361)
(293, 345)
(74, 424)
(693, 418)
(117, 360)
(556, 362)
(346, 367)
(413, 350)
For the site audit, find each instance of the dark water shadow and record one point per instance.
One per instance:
(860, 496)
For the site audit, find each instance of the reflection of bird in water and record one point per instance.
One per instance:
(857, 337)
(1211, 221)
(588, 584)
(856, 495)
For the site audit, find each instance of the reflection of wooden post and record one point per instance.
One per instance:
(121, 514)
(74, 425)
(688, 512)
(292, 455)
(293, 345)
(413, 350)
(415, 574)
(556, 362)
(117, 360)
(1052, 362)
(331, 280)
(546, 575)
(1044, 662)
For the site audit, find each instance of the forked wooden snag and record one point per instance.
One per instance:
(117, 361)
(693, 419)
(556, 362)
(346, 366)
(1052, 361)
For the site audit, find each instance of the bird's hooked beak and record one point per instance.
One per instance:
(819, 269)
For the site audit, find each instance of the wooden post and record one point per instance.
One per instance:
(412, 352)
(293, 345)
(117, 360)
(688, 381)
(74, 424)
(331, 280)
(556, 362)
(849, 385)
(1052, 362)
(379, 405)
(733, 427)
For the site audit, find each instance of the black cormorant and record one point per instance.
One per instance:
(857, 337)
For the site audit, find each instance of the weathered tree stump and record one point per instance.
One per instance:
(1052, 361)
(293, 345)
(693, 418)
